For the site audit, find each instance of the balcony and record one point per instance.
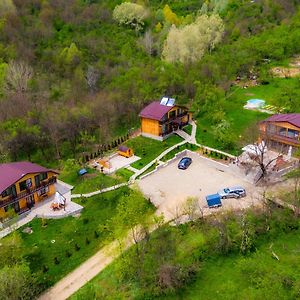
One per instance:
(280, 137)
(169, 120)
(28, 192)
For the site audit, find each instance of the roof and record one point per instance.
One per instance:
(10, 173)
(123, 148)
(155, 111)
(293, 119)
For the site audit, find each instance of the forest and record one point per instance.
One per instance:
(74, 74)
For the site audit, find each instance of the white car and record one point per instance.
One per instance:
(232, 192)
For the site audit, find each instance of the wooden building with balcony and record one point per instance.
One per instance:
(160, 119)
(22, 185)
(281, 132)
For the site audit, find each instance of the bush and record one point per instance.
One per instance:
(45, 269)
(77, 247)
(68, 253)
(56, 260)
(96, 234)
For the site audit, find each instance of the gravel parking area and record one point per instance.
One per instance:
(169, 187)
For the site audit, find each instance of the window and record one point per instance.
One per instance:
(26, 184)
(294, 134)
(14, 206)
(22, 185)
(43, 176)
(7, 192)
(172, 114)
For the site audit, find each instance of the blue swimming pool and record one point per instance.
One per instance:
(256, 102)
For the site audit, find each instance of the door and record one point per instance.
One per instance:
(37, 181)
(17, 207)
(30, 201)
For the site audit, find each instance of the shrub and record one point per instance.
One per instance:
(45, 269)
(130, 14)
(56, 260)
(68, 253)
(85, 221)
(96, 234)
(77, 247)
(87, 241)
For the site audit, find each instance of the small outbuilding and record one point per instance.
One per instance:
(125, 151)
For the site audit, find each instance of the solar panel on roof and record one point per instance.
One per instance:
(171, 102)
(167, 101)
(164, 100)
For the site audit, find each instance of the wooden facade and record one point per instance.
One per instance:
(281, 136)
(23, 194)
(161, 126)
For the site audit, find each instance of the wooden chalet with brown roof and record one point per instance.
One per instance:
(22, 185)
(160, 119)
(281, 132)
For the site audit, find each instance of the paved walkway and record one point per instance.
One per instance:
(108, 189)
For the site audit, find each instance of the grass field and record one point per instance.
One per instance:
(92, 181)
(148, 149)
(71, 240)
(239, 118)
(257, 275)
(179, 149)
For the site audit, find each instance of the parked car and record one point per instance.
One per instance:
(213, 200)
(184, 163)
(232, 192)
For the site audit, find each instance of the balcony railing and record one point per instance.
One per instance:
(280, 137)
(169, 120)
(28, 192)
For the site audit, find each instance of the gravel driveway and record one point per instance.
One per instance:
(169, 187)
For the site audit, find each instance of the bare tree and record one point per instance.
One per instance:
(256, 151)
(147, 42)
(92, 76)
(192, 208)
(17, 76)
(260, 157)
(295, 176)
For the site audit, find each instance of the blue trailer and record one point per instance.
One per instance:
(213, 200)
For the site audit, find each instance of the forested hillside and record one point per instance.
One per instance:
(75, 73)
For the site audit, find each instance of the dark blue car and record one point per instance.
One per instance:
(184, 163)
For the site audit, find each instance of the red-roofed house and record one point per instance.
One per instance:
(159, 120)
(281, 132)
(22, 184)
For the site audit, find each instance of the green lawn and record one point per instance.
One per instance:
(90, 182)
(60, 237)
(124, 174)
(188, 129)
(257, 276)
(179, 149)
(148, 149)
